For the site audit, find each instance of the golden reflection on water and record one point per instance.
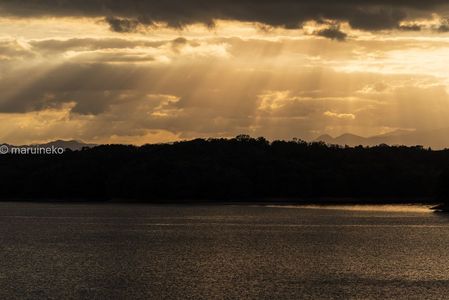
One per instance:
(416, 208)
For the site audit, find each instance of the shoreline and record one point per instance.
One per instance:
(267, 201)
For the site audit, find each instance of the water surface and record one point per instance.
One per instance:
(118, 251)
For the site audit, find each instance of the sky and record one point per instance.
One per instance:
(144, 71)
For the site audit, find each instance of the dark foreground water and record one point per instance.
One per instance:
(113, 251)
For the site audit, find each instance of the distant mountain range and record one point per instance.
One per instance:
(72, 145)
(436, 139)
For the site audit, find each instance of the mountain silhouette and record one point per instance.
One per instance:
(436, 139)
(70, 144)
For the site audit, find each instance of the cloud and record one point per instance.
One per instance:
(339, 116)
(110, 102)
(410, 27)
(118, 89)
(377, 19)
(125, 16)
(122, 25)
(333, 33)
(443, 27)
(12, 50)
(58, 46)
(116, 57)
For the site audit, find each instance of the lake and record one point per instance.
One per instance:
(133, 251)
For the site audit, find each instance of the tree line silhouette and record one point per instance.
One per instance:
(242, 168)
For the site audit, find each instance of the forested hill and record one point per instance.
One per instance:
(242, 168)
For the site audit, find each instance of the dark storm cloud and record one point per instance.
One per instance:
(443, 28)
(413, 27)
(377, 19)
(125, 16)
(122, 25)
(333, 33)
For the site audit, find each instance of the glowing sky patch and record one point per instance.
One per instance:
(75, 76)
